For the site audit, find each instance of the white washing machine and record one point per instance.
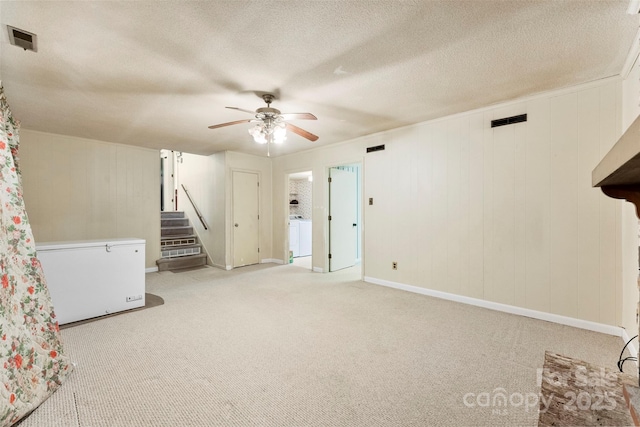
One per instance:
(294, 237)
(299, 236)
(305, 237)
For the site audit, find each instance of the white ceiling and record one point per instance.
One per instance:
(157, 73)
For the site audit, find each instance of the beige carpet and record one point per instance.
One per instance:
(275, 345)
(150, 301)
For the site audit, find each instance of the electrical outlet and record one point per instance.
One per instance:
(394, 265)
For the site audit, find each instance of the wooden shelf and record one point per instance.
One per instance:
(621, 165)
(618, 173)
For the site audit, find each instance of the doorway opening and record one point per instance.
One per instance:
(300, 219)
(169, 160)
(345, 217)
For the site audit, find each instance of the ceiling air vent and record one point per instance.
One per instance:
(509, 120)
(22, 38)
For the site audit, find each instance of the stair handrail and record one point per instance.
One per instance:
(200, 217)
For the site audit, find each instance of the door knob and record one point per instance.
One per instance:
(355, 225)
(236, 224)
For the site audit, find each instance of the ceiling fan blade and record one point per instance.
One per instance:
(230, 123)
(241, 109)
(303, 133)
(300, 116)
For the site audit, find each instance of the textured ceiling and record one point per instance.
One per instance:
(157, 73)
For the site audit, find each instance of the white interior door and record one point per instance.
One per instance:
(245, 219)
(343, 218)
(167, 168)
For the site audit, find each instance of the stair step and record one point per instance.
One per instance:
(174, 222)
(179, 240)
(165, 264)
(180, 251)
(176, 231)
(172, 214)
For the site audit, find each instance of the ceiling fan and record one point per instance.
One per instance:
(270, 124)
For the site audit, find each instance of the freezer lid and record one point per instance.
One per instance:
(76, 244)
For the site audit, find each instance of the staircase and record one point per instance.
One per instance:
(179, 246)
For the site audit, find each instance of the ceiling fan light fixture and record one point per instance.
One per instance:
(258, 134)
(279, 134)
(271, 125)
(268, 131)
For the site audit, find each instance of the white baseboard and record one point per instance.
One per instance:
(228, 267)
(541, 315)
(272, 261)
(318, 270)
(151, 270)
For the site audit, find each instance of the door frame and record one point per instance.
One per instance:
(287, 174)
(169, 179)
(231, 217)
(320, 177)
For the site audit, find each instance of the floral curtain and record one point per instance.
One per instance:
(31, 354)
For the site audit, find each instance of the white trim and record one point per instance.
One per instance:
(220, 266)
(228, 267)
(318, 270)
(549, 317)
(271, 261)
(633, 350)
(632, 56)
(151, 269)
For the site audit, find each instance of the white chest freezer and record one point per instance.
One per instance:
(91, 278)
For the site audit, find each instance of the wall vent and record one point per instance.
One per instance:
(508, 120)
(376, 148)
(22, 38)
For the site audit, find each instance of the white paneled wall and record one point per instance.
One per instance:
(505, 214)
(208, 179)
(79, 189)
(204, 177)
